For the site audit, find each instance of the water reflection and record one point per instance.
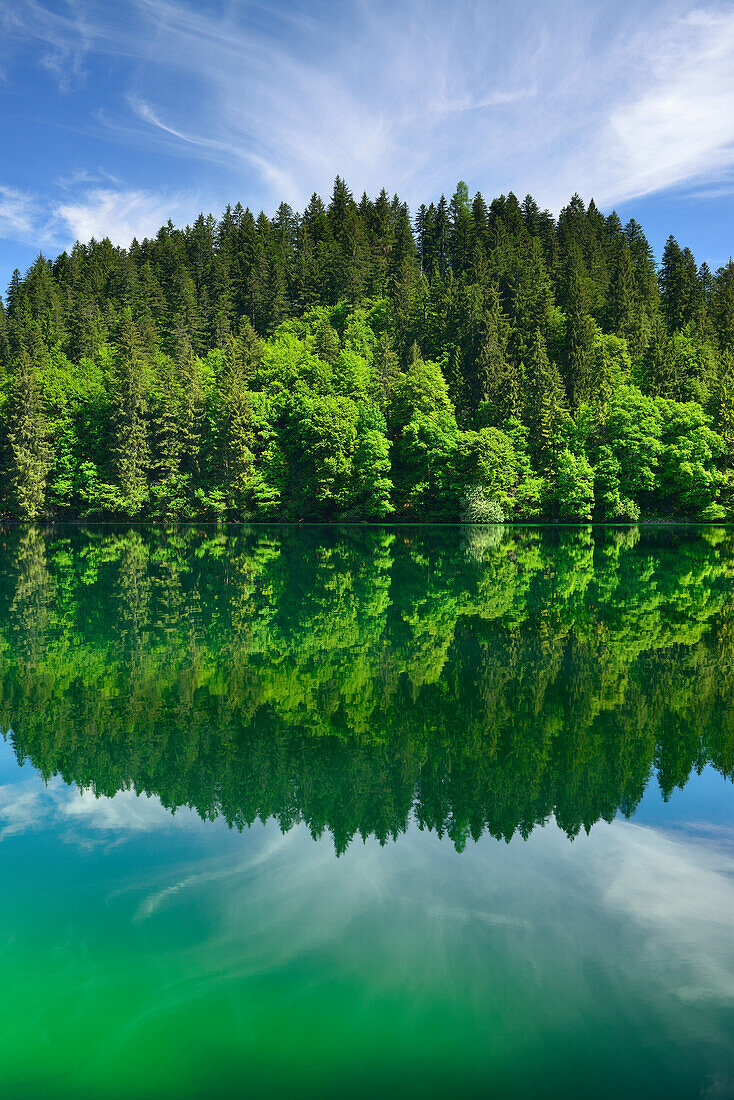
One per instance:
(470, 680)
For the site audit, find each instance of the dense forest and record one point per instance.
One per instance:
(356, 679)
(479, 362)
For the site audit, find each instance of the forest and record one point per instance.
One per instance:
(479, 362)
(360, 678)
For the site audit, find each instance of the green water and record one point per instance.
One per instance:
(367, 812)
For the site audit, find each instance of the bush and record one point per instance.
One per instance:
(627, 510)
(478, 507)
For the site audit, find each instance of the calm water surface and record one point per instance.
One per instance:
(367, 812)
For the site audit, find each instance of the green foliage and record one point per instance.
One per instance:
(689, 473)
(477, 679)
(478, 506)
(28, 443)
(336, 364)
(574, 487)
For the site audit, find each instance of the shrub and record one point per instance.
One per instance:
(478, 507)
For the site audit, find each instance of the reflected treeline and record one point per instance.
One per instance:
(471, 679)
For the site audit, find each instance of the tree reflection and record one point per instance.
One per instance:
(474, 679)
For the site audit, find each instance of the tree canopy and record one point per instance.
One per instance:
(348, 362)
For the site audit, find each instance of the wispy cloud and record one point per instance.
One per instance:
(604, 98)
(19, 214)
(62, 37)
(677, 122)
(29, 805)
(120, 214)
(94, 211)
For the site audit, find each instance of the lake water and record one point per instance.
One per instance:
(367, 812)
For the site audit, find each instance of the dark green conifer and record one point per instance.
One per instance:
(29, 458)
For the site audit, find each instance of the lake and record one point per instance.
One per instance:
(364, 812)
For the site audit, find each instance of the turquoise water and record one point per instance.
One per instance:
(405, 812)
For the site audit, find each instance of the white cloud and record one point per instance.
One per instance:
(415, 94)
(120, 214)
(678, 122)
(28, 805)
(19, 215)
(63, 38)
(105, 211)
(609, 99)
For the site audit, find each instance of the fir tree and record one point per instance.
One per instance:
(28, 442)
(130, 448)
(547, 412)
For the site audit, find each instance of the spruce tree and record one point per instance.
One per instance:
(192, 412)
(4, 338)
(724, 405)
(621, 312)
(167, 427)
(580, 329)
(493, 369)
(326, 342)
(723, 306)
(547, 411)
(28, 443)
(236, 438)
(658, 363)
(130, 449)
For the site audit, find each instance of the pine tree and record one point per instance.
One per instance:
(130, 449)
(580, 329)
(723, 306)
(237, 437)
(493, 369)
(547, 411)
(326, 342)
(724, 404)
(27, 435)
(621, 312)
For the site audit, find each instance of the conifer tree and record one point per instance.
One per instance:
(326, 342)
(28, 443)
(547, 411)
(387, 368)
(237, 437)
(724, 403)
(191, 396)
(723, 306)
(580, 329)
(130, 449)
(461, 229)
(167, 426)
(681, 290)
(658, 364)
(493, 369)
(4, 338)
(621, 312)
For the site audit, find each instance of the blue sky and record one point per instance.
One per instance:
(118, 115)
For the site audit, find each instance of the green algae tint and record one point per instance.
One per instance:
(368, 812)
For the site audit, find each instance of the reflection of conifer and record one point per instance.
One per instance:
(315, 676)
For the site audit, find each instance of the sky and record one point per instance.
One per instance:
(117, 115)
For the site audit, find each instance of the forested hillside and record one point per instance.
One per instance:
(482, 362)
